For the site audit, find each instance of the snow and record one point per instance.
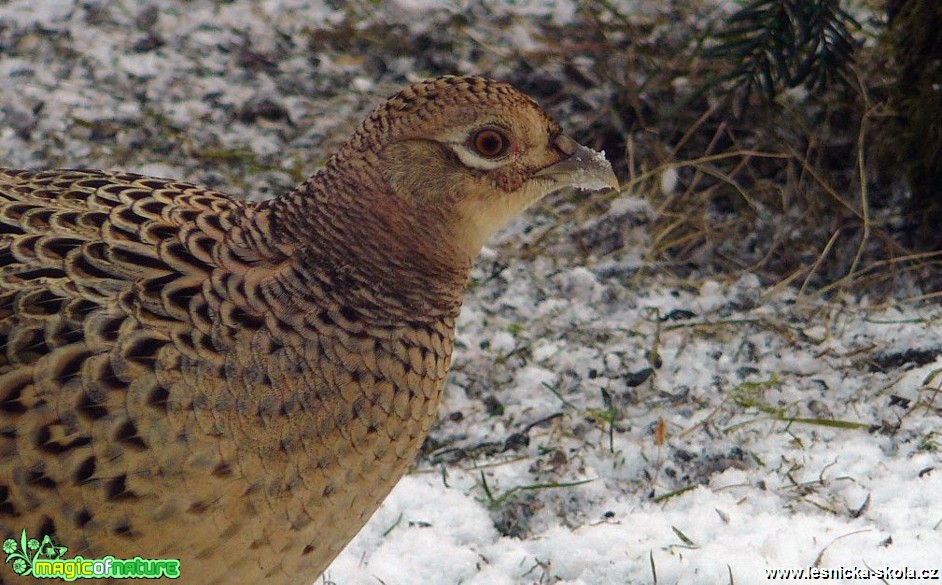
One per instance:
(669, 180)
(604, 422)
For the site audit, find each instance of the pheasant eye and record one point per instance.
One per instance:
(490, 143)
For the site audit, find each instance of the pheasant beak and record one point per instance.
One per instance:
(579, 167)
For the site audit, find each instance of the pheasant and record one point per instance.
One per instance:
(185, 375)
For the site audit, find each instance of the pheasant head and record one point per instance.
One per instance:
(436, 169)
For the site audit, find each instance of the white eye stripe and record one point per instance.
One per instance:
(474, 160)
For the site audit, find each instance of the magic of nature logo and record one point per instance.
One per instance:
(45, 559)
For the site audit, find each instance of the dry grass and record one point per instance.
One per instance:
(799, 192)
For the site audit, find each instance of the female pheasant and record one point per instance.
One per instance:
(238, 385)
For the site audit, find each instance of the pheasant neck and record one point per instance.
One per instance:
(388, 263)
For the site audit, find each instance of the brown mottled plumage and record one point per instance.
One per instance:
(239, 385)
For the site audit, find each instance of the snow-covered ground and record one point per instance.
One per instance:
(604, 422)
